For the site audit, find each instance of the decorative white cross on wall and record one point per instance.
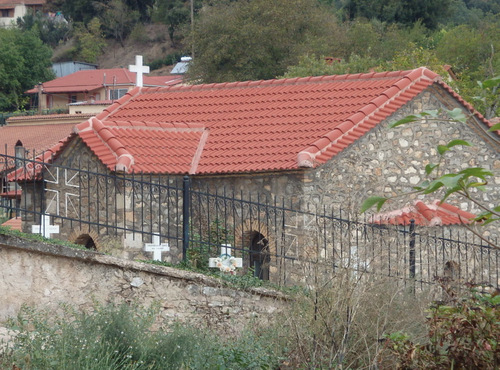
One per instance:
(139, 69)
(45, 228)
(156, 247)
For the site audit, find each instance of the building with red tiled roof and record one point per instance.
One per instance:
(10, 10)
(316, 140)
(92, 86)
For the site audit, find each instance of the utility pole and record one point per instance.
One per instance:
(192, 27)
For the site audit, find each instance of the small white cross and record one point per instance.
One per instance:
(45, 228)
(156, 247)
(139, 68)
(226, 261)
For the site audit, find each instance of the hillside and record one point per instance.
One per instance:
(153, 45)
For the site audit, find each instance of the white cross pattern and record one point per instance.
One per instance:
(156, 247)
(45, 228)
(139, 68)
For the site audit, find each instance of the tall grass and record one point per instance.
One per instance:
(124, 337)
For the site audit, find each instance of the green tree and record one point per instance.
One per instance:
(258, 39)
(118, 19)
(24, 62)
(90, 40)
(474, 54)
(174, 13)
(49, 30)
(406, 12)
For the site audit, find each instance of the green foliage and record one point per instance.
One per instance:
(118, 19)
(126, 337)
(90, 40)
(205, 244)
(463, 334)
(174, 13)
(258, 39)
(4, 230)
(50, 30)
(24, 62)
(405, 12)
(459, 183)
(168, 60)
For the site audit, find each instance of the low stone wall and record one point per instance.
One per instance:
(45, 275)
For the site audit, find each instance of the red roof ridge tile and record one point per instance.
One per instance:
(433, 214)
(199, 150)
(467, 105)
(422, 71)
(307, 157)
(155, 126)
(33, 169)
(120, 102)
(124, 160)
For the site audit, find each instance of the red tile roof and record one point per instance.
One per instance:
(433, 214)
(14, 224)
(32, 169)
(93, 79)
(248, 126)
(35, 138)
(143, 145)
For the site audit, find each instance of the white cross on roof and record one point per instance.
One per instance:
(140, 69)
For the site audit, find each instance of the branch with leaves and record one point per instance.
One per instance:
(460, 183)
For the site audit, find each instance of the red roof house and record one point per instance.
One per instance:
(93, 86)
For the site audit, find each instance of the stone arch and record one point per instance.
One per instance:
(89, 239)
(258, 248)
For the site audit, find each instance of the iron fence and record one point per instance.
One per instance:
(276, 240)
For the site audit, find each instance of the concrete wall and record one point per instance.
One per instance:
(45, 275)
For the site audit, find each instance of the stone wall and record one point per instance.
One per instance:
(387, 161)
(45, 275)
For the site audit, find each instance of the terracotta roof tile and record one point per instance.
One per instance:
(433, 214)
(92, 79)
(247, 126)
(35, 138)
(14, 223)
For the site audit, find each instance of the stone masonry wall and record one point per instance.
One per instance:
(388, 162)
(44, 275)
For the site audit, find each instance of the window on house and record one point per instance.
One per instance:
(7, 13)
(72, 99)
(117, 93)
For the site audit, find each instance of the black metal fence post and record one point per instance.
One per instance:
(186, 197)
(412, 256)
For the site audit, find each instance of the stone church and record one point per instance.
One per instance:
(311, 143)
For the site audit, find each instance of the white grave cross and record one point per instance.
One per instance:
(139, 68)
(225, 262)
(156, 247)
(45, 228)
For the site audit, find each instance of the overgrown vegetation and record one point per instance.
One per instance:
(37, 237)
(462, 333)
(129, 337)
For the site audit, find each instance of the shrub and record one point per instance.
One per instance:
(462, 334)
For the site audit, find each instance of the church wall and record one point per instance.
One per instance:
(387, 162)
